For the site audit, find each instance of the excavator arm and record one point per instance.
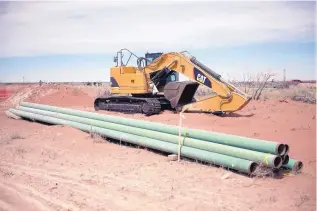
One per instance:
(228, 98)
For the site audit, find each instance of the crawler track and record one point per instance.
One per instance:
(127, 104)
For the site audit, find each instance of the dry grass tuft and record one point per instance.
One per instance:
(204, 91)
(103, 92)
(8, 138)
(97, 138)
(261, 86)
(295, 92)
(263, 171)
(20, 150)
(305, 93)
(303, 199)
(16, 135)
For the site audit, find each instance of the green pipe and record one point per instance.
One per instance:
(265, 158)
(294, 165)
(220, 138)
(214, 158)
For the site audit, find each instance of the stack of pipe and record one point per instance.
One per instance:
(234, 152)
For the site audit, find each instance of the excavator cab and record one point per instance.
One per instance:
(150, 57)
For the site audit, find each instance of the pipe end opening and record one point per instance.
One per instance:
(280, 149)
(298, 166)
(252, 167)
(278, 161)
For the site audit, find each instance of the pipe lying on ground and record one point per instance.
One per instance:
(242, 165)
(11, 115)
(265, 158)
(220, 138)
(294, 165)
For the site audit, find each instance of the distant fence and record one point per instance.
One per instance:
(296, 81)
(272, 84)
(69, 83)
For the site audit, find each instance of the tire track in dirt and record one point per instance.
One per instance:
(88, 190)
(14, 199)
(92, 186)
(111, 183)
(37, 197)
(66, 189)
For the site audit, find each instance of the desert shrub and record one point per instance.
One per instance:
(16, 136)
(97, 138)
(294, 92)
(103, 92)
(204, 91)
(302, 93)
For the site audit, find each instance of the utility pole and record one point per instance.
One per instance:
(23, 79)
(284, 75)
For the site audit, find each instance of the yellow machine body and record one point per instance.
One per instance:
(131, 81)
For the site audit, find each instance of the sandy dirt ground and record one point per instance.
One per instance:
(60, 168)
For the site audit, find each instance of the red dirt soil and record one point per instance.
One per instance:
(61, 168)
(65, 96)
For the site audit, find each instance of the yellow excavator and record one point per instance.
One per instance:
(153, 85)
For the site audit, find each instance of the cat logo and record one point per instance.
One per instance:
(201, 78)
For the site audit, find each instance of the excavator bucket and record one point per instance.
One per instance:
(180, 93)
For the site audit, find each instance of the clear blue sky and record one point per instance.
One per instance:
(56, 41)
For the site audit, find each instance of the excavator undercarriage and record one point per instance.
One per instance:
(130, 104)
(176, 94)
